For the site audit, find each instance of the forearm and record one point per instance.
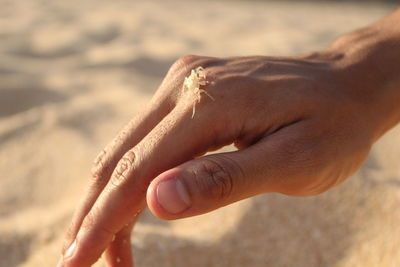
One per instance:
(370, 62)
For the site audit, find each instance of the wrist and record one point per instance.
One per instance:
(369, 68)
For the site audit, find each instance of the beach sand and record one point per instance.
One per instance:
(72, 73)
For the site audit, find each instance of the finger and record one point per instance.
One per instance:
(174, 140)
(161, 104)
(105, 163)
(208, 183)
(119, 252)
(107, 159)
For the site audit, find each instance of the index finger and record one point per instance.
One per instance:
(106, 161)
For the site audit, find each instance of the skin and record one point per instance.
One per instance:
(302, 125)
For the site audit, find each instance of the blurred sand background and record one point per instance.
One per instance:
(73, 72)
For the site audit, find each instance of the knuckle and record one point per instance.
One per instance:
(124, 168)
(100, 168)
(216, 179)
(103, 163)
(187, 60)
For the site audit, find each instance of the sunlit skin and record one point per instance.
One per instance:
(302, 125)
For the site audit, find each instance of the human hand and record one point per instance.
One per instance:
(302, 125)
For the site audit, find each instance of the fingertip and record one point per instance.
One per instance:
(151, 199)
(153, 203)
(167, 196)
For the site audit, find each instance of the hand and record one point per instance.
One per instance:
(302, 125)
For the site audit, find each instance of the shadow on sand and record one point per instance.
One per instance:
(16, 100)
(275, 231)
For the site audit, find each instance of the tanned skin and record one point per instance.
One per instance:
(302, 125)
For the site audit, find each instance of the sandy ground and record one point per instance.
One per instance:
(73, 72)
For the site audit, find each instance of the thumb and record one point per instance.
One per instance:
(282, 162)
(207, 183)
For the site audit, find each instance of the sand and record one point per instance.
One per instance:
(73, 72)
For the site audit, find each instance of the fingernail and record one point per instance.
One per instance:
(70, 250)
(173, 196)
